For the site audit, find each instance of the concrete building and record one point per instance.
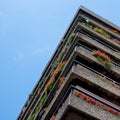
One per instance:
(82, 79)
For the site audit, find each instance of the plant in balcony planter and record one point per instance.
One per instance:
(116, 41)
(54, 76)
(102, 32)
(96, 103)
(29, 110)
(89, 25)
(115, 31)
(84, 97)
(38, 93)
(60, 81)
(53, 117)
(102, 57)
(38, 107)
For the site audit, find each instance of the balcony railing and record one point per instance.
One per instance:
(107, 28)
(96, 39)
(89, 98)
(100, 30)
(98, 73)
(83, 27)
(89, 49)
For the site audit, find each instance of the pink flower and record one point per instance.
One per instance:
(53, 117)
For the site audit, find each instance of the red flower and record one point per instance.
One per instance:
(29, 110)
(101, 55)
(110, 110)
(116, 40)
(55, 72)
(85, 97)
(90, 100)
(116, 113)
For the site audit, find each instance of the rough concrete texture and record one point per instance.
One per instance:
(97, 80)
(88, 55)
(100, 46)
(85, 107)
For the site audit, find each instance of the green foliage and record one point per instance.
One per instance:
(89, 25)
(38, 107)
(102, 32)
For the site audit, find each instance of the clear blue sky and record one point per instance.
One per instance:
(29, 33)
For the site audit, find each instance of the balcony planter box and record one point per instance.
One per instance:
(86, 107)
(86, 54)
(102, 57)
(99, 46)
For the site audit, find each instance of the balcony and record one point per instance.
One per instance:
(85, 107)
(100, 36)
(103, 84)
(97, 45)
(104, 87)
(109, 30)
(86, 54)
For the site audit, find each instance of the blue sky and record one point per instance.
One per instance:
(29, 33)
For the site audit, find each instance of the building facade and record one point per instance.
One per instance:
(82, 79)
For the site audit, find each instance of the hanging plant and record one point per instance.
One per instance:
(102, 57)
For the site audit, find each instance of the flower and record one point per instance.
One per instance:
(116, 40)
(39, 93)
(101, 55)
(85, 97)
(53, 117)
(90, 100)
(60, 81)
(29, 110)
(98, 104)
